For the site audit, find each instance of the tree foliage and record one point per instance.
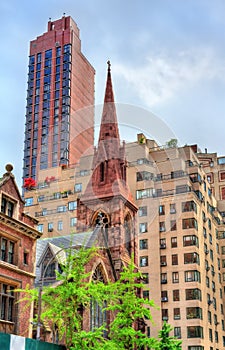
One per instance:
(172, 143)
(166, 342)
(63, 305)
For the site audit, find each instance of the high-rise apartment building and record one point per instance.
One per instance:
(60, 98)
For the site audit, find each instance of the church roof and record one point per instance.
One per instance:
(57, 245)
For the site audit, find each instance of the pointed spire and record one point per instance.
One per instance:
(109, 126)
(109, 97)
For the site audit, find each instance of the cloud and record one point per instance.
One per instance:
(164, 75)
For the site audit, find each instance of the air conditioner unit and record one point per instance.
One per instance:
(206, 251)
(163, 281)
(207, 268)
(210, 302)
(164, 299)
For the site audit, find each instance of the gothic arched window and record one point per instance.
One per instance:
(97, 312)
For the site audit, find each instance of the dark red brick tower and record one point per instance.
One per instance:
(107, 199)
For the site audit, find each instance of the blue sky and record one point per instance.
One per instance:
(168, 57)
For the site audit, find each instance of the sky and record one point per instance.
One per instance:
(167, 60)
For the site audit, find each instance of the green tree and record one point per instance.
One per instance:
(167, 342)
(172, 143)
(129, 309)
(64, 303)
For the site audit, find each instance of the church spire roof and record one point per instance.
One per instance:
(109, 96)
(109, 126)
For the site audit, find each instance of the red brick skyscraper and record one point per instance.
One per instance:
(60, 85)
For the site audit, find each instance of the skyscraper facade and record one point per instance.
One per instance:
(60, 98)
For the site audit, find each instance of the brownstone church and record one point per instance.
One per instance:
(105, 212)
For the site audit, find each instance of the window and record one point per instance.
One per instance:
(162, 243)
(78, 187)
(196, 177)
(61, 209)
(145, 294)
(143, 261)
(72, 205)
(7, 302)
(189, 223)
(40, 228)
(176, 313)
(191, 258)
(73, 222)
(146, 193)
(162, 210)
(143, 244)
(7, 206)
(209, 317)
(29, 201)
(222, 193)
(175, 277)
(102, 171)
(190, 240)
(182, 189)
(210, 335)
(165, 316)
(142, 211)
(25, 257)
(60, 225)
(174, 259)
(189, 206)
(50, 226)
(143, 227)
(177, 173)
(176, 295)
(98, 314)
(194, 332)
(164, 296)
(145, 278)
(191, 276)
(7, 250)
(173, 242)
(177, 332)
(193, 312)
(216, 336)
(144, 175)
(172, 208)
(173, 225)
(163, 260)
(163, 278)
(162, 226)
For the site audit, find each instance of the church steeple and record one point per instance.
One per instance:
(109, 138)
(107, 192)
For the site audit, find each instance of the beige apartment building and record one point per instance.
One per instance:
(180, 230)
